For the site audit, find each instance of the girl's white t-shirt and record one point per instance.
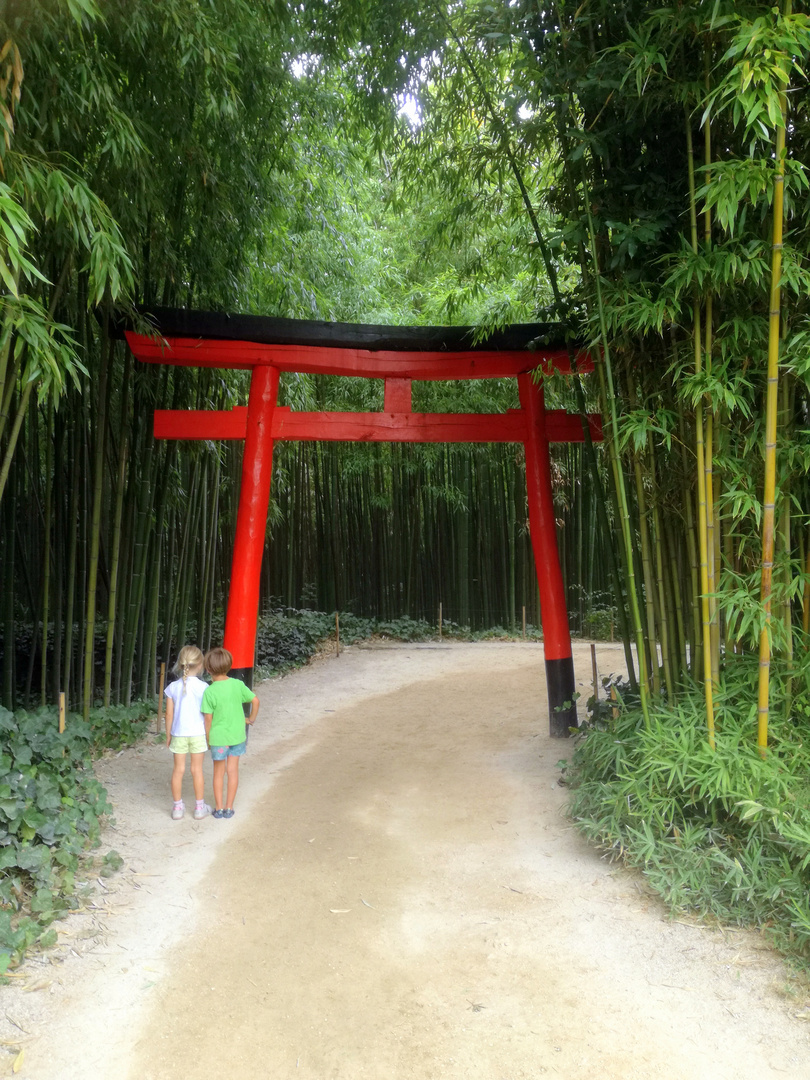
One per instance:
(188, 718)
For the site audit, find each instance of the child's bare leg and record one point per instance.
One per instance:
(197, 775)
(233, 780)
(177, 776)
(219, 776)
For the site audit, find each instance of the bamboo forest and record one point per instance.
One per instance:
(635, 173)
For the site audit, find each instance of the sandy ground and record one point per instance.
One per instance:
(398, 896)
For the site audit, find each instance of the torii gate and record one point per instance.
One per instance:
(268, 346)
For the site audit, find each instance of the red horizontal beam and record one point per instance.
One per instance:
(373, 427)
(316, 359)
(400, 427)
(201, 423)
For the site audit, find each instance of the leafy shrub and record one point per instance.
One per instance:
(51, 812)
(723, 833)
(406, 629)
(288, 637)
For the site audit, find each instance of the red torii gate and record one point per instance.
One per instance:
(268, 346)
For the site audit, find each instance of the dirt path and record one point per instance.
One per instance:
(398, 897)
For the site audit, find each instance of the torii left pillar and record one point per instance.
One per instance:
(251, 523)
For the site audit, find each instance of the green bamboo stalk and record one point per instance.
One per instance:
(11, 445)
(118, 513)
(786, 613)
(647, 573)
(46, 553)
(73, 533)
(702, 516)
(692, 556)
(669, 682)
(771, 412)
(613, 425)
(712, 534)
(674, 586)
(95, 523)
(9, 629)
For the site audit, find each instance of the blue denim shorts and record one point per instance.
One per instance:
(220, 753)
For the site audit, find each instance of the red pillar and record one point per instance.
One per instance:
(251, 523)
(553, 612)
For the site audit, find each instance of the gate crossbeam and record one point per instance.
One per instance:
(288, 425)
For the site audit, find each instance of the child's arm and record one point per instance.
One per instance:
(169, 719)
(254, 708)
(208, 717)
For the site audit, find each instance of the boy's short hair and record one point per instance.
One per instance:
(218, 661)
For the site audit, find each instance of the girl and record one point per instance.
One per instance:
(185, 729)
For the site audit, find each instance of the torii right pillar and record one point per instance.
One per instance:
(542, 525)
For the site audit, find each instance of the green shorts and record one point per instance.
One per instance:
(188, 744)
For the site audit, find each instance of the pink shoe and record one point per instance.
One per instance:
(178, 810)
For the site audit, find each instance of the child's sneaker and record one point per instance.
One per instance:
(201, 811)
(218, 813)
(227, 812)
(178, 810)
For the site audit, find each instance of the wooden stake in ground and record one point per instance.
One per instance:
(61, 712)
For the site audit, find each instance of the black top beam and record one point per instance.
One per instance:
(179, 322)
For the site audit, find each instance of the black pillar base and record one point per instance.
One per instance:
(561, 702)
(245, 675)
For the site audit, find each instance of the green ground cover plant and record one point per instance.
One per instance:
(52, 810)
(721, 833)
(288, 637)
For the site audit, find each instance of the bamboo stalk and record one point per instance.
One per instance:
(663, 621)
(708, 687)
(337, 634)
(120, 486)
(712, 567)
(95, 523)
(771, 413)
(11, 445)
(595, 674)
(62, 711)
(46, 553)
(160, 697)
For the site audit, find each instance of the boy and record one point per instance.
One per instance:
(225, 726)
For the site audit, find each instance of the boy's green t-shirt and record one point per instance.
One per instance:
(224, 699)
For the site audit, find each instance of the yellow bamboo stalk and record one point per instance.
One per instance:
(705, 612)
(708, 462)
(771, 413)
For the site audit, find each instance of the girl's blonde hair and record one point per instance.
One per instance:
(189, 662)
